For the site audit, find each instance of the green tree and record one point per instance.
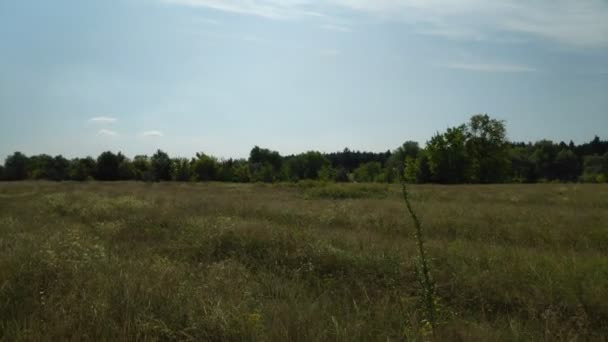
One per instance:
(59, 169)
(447, 156)
(108, 166)
(181, 170)
(368, 172)
(327, 173)
(205, 168)
(1, 172)
(81, 169)
(487, 150)
(126, 169)
(15, 167)
(523, 169)
(262, 172)
(40, 166)
(264, 165)
(595, 168)
(396, 161)
(567, 166)
(412, 170)
(341, 175)
(142, 168)
(160, 164)
(304, 166)
(240, 171)
(543, 157)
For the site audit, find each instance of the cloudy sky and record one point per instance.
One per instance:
(79, 77)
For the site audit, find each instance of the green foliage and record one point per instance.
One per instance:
(487, 150)
(108, 166)
(304, 166)
(327, 174)
(262, 172)
(264, 165)
(82, 169)
(181, 170)
(368, 172)
(395, 164)
(523, 169)
(595, 168)
(205, 168)
(15, 167)
(46, 167)
(423, 270)
(567, 166)
(240, 171)
(142, 168)
(543, 157)
(476, 152)
(126, 170)
(412, 170)
(447, 156)
(160, 165)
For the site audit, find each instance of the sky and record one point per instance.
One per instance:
(78, 77)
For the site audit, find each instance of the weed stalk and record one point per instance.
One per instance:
(424, 273)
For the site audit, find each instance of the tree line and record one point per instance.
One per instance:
(474, 152)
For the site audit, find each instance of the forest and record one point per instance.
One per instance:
(475, 152)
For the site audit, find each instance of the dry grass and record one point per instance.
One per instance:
(134, 261)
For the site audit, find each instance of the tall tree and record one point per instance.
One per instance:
(487, 149)
(15, 167)
(447, 156)
(368, 172)
(205, 167)
(142, 168)
(59, 169)
(161, 166)
(181, 170)
(543, 157)
(81, 169)
(264, 165)
(567, 166)
(108, 165)
(595, 168)
(523, 168)
(304, 166)
(40, 166)
(396, 163)
(126, 169)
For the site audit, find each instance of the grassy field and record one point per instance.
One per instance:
(221, 262)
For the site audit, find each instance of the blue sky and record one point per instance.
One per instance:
(79, 77)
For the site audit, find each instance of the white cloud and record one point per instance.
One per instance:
(485, 67)
(577, 23)
(152, 133)
(107, 132)
(271, 9)
(103, 120)
(336, 28)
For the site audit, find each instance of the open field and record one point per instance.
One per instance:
(207, 261)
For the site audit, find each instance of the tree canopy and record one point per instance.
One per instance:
(475, 152)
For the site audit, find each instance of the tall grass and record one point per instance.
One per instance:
(232, 262)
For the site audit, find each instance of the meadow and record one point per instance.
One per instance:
(128, 261)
